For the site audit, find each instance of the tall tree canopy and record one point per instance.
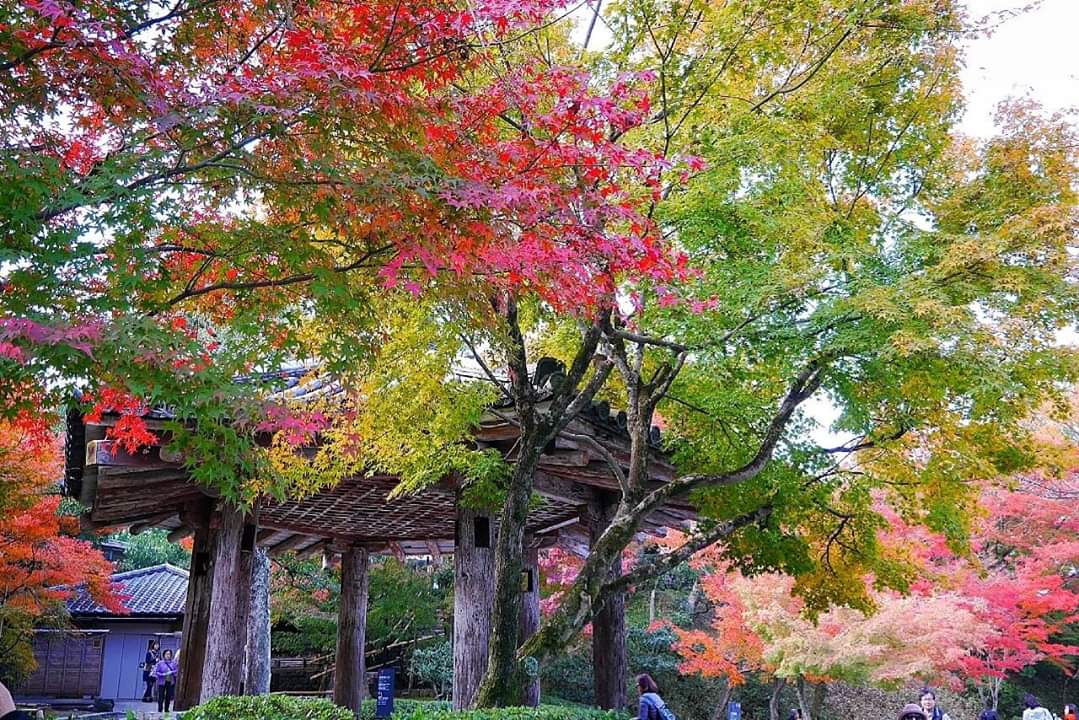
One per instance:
(732, 209)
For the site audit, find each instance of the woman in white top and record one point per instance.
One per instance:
(1034, 709)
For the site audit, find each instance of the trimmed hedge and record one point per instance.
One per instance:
(267, 707)
(284, 707)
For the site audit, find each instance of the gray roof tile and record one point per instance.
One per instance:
(156, 591)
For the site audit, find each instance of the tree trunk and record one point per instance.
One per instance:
(803, 699)
(773, 702)
(473, 576)
(257, 670)
(196, 612)
(609, 632)
(350, 672)
(503, 682)
(820, 690)
(577, 607)
(530, 620)
(721, 708)
(226, 632)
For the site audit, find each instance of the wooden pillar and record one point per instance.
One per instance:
(257, 656)
(473, 596)
(226, 632)
(609, 630)
(350, 674)
(530, 616)
(197, 607)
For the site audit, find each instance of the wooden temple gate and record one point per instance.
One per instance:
(351, 522)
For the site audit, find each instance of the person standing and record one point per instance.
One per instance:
(990, 712)
(8, 711)
(911, 711)
(651, 706)
(148, 664)
(1034, 710)
(928, 701)
(165, 671)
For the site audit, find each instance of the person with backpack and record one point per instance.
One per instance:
(990, 712)
(928, 701)
(652, 706)
(1034, 709)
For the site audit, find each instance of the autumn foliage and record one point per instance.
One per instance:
(41, 562)
(985, 617)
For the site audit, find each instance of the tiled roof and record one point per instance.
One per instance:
(155, 591)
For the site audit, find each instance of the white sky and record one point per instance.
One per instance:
(1035, 53)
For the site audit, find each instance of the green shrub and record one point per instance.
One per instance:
(283, 707)
(268, 707)
(404, 707)
(424, 711)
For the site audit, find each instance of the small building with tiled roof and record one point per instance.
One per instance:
(101, 655)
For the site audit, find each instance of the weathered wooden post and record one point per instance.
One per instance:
(257, 656)
(350, 673)
(609, 628)
(226, 632)
(530, 614)
(473, 597)
(197, 608)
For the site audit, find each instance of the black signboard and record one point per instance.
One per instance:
(384, 693)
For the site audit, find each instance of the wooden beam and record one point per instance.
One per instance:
(144, 525)
(398, 551)
(561, 490)
(288, 543)
(434, 551)
(180, 533)
(110, 453)
(312, 549)
(350, 677)
(265, 534)
(557, 526)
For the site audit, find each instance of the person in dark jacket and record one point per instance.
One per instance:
(148, 664)
(7, 706)
(928, 701)
(990, 712)
(652, 706)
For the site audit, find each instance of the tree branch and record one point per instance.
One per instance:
(665, 563)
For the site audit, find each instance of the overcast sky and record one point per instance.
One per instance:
(1036, 52)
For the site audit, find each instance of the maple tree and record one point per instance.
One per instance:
(731, 210)
(41, 562)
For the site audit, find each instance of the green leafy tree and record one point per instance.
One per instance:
(149, 548)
